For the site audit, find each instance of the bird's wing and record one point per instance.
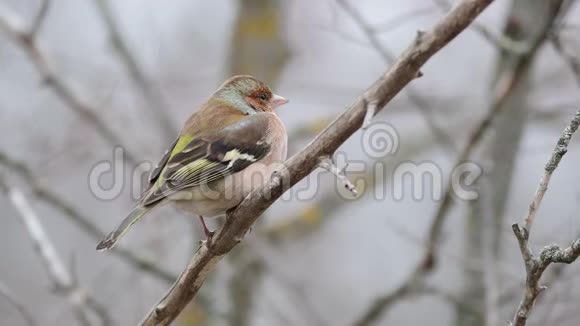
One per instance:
(156, 172)
(212, 157)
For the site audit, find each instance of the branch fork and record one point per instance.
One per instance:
(535, 267)
(327, 163)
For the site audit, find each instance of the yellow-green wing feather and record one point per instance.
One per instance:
(197, 161)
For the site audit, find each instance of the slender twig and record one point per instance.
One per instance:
(559, 152)
(501, 41)
(528, 23)
(504, 86)
(458, 302)
(425, 264)
(388, 57)
(239, 221)
(39, 18)
(571, 59)
(26, 39)
(17, 304)
(64, 283)
(154, 99)
(535, 267)
(382, 304)
(400, 20)
(82, 221)
(328, 164)
(42, 244)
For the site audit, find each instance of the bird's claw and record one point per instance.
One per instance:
(208, 238)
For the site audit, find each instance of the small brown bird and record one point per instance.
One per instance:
(226, 149)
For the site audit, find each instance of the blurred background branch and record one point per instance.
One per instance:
(26, 39)
(154, 98)
(83, 222)
(17, 304)
(65, 284)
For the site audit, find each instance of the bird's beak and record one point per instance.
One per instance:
(277, 101)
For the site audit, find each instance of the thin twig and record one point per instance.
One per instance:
(458, 302)
(558, 153)
(82, 221)
(328, 164)
(388, 57)
(17, 304)
(13, 27)
(505, 85)
(501, 41)
(426, 263)
(401, 19)
(45, 249)
(535, 267)
(64, 283)
(571, 59)
(239, 221)
(39, 18)
(503, 88)
(154, 98)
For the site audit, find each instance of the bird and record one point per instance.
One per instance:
(230, 146)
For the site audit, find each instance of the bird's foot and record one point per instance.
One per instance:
(208, 239)
(208, 234)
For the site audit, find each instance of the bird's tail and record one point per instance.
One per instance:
(112, 238)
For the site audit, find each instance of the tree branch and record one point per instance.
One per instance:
(559, 152)
(402, 72)
(39, 18)
(535, 267)
(501, 41)
(17, 304)
(388, 57)
(572, 60)
(26, 39)
(83, 222)
(154, 98)
(328, 164)
(64, 282)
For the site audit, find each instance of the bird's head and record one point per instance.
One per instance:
(248, 92)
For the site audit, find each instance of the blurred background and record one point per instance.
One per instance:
(78, 78)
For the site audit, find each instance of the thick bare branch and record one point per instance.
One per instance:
(402, 72)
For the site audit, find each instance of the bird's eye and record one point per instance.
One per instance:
(263, 97)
